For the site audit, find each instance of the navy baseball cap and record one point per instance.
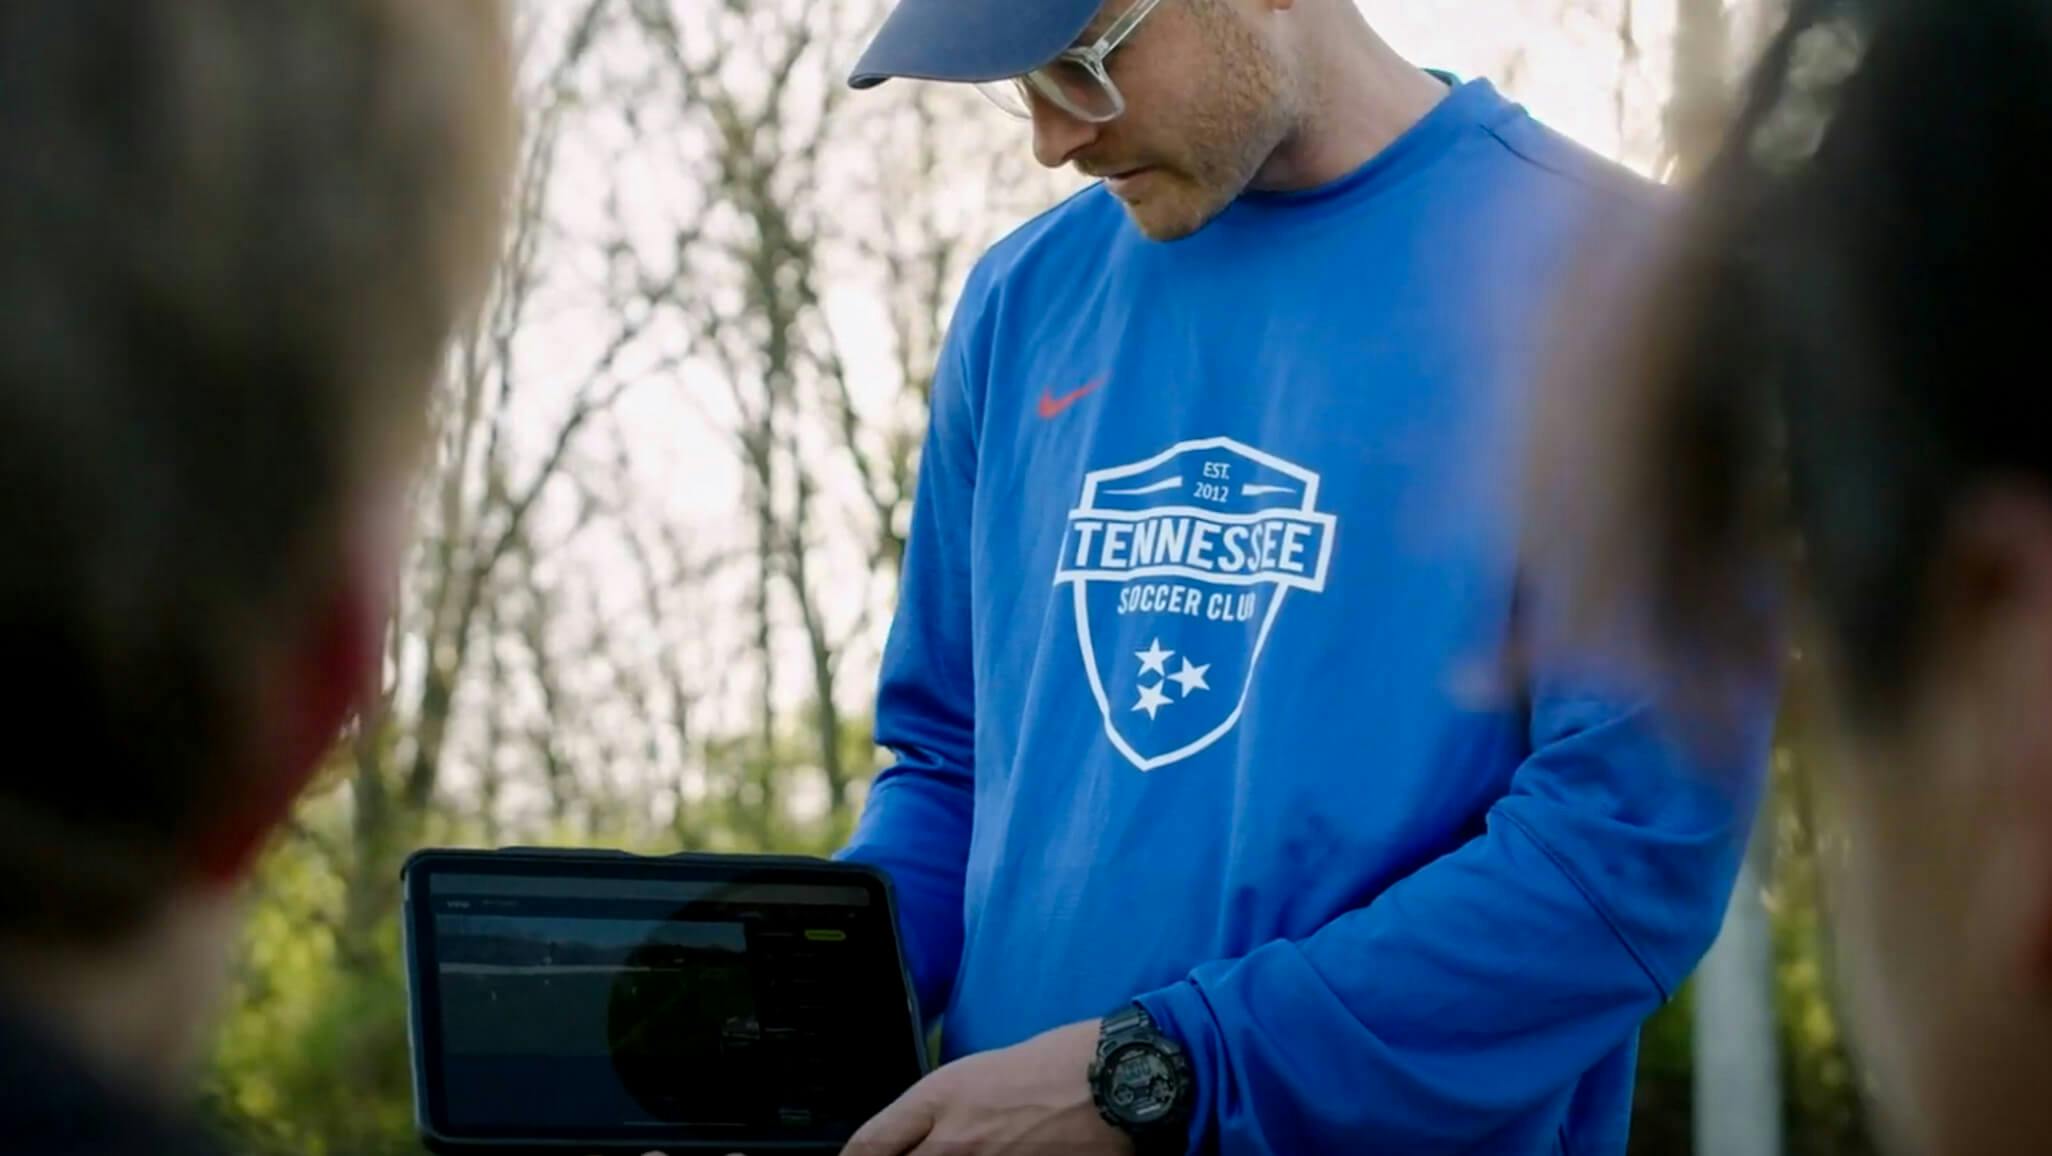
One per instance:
(970, 41)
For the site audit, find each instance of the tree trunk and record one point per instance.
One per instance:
(820, 648)
(371, 840)
(1701, 99)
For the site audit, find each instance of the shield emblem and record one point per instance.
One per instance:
(1179, 566)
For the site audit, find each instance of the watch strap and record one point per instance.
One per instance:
(1168, 1136)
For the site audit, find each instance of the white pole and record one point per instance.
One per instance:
(1737, 1053)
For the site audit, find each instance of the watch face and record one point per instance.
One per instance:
(1142, 1088)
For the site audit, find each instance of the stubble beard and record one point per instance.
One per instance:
(1247, 115)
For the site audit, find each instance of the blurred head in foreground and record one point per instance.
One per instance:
(234, 238)
(1839, 384)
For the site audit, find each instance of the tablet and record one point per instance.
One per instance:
(598, 1001)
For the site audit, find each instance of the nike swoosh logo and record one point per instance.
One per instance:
(1052, 406)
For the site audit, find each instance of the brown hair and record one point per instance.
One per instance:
(234, 238)
(1840, 345)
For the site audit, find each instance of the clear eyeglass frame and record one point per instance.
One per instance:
(1076, 82)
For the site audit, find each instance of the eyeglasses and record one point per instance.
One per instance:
(1076, 81)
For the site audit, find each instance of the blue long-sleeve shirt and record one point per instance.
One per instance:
(1195, 687)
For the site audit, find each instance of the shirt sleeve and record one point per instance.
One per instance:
(915, 823)
(1477, 991)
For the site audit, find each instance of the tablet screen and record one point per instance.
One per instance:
(641, 998)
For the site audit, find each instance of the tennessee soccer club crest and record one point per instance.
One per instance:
(1180, 565)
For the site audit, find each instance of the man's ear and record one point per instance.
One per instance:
(1993, 589)
(318, 676)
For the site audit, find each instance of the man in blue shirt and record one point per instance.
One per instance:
(1216, 822)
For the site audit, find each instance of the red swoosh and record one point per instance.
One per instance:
(1052, 406)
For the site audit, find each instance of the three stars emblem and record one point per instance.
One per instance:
(1153, 695)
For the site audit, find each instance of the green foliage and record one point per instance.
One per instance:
(313, 1056)
(1820, 1105)
(1661, 1108)
(1821, 1113)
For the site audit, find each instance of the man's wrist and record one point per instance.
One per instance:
(1142, 1083)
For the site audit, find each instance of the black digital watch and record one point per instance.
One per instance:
(1141, 1082)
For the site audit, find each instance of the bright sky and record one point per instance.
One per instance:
(1563, 59)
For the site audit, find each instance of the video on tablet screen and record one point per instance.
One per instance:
(621, 1004)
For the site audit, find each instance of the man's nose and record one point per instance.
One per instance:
(1058, 136)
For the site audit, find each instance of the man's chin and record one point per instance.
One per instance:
(1170, 215)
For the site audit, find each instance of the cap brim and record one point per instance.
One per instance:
(970, 41)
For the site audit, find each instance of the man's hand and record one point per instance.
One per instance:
(1030, 1098)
